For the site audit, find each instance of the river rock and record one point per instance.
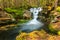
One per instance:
(27, 14)
(4, 17)
(54, 26)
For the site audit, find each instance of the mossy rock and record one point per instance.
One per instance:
(54, 27)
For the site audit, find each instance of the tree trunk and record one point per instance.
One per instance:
(56, 2)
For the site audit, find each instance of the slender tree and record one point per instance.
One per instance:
(56, 2)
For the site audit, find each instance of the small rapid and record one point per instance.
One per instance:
(35, 12)
(33, 24)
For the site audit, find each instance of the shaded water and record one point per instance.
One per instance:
(27, 27)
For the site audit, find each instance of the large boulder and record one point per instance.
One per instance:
(4, 14)
(55, 16)
(5, 17)
(27, 14)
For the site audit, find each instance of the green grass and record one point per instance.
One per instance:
(23, 21)
(17, 12)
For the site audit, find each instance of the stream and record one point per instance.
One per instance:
(30, 26)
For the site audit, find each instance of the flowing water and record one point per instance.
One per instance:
(32, 25)
(35, 12)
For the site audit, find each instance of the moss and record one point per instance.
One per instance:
(23, 21)
(16, 12)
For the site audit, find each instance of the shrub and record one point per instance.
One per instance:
(17, 12)
(58, 9)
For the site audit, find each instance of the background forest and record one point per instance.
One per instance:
(13, 13)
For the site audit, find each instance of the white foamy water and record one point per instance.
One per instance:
(35, 12)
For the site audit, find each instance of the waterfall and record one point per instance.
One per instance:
(35, 12)
(33, 24)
